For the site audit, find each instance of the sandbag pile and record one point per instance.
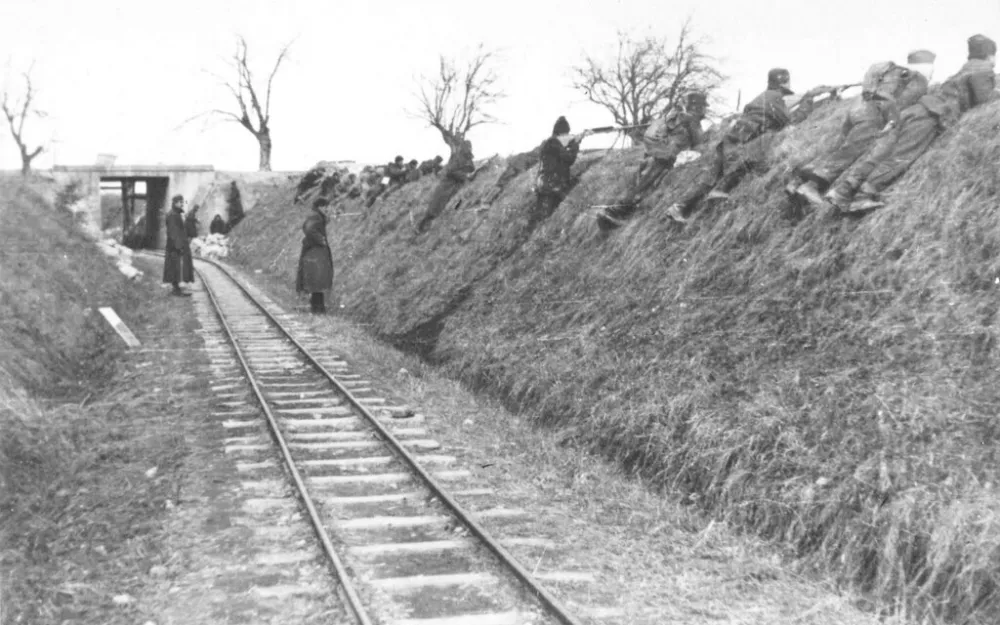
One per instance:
(213, 246)
(106, 242)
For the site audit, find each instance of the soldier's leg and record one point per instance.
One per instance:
(916, 134)
(546, 203)
(650, 175)
(848, 184)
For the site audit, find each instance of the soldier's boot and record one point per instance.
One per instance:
(866, 199)
(676, 212)
(839, 196)
(605, 221)
(810, 192)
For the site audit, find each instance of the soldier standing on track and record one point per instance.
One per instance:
(191, 223)
(876, 114)
(177, 265)
(921, 123)
(746, 144)
(315, 274)
(556, 154)
(677, 130)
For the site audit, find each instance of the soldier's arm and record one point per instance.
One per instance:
(982, 88)
(568, 154)
(776, 112)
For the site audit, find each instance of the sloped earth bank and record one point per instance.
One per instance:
(658, 560)
(828, 383)
(91, 434)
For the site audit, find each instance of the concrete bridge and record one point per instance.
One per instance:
(156, 184)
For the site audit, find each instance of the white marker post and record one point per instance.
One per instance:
(112, 318)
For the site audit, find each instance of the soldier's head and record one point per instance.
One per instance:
(982, 47)
(779, 79)
(438, 159)
(696, 103)
(561, 127)
(398, 160)
(320, 203)
(177, 202)
(413, 164)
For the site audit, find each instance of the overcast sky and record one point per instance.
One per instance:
(121, 77)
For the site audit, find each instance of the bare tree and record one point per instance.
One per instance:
(647, 76)
(254, 111)
(457, 99)
(17, 109)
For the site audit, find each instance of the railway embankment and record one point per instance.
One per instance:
(87, 465)
(829, 383)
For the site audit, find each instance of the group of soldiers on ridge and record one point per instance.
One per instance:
(331, 181)
(895, 121)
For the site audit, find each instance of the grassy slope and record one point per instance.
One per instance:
(830, 383)
(74, 522)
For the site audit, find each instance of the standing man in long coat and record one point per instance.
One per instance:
(177, 265)
(315, 274)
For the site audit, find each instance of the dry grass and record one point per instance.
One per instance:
(78, 514)
(827, 383)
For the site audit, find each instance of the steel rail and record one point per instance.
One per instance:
(554, 606)
(341, 572)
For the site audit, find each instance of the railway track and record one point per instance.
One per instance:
(390, 510)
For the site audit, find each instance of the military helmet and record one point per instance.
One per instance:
(920, 56)
(777, 78)
(981, 46)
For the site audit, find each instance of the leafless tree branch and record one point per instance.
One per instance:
(647, 76)
(458, 99)
(17, 109)
(252, 114)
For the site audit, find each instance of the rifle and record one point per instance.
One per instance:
(605, 129)
(832, 92)
(602, 129)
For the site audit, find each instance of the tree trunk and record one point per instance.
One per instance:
(25, 164)
(264, 139)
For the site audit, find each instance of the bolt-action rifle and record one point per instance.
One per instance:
(606, 129)
(833, 92)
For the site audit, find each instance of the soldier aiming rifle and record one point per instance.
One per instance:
(678, 129)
